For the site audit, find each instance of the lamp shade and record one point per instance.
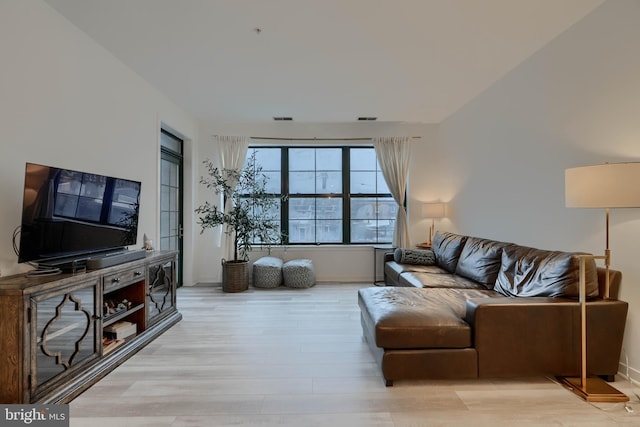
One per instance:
(433, 210)
(611, 185)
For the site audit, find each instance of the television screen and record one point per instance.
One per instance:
(68, 213)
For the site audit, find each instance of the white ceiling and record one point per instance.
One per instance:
(322, 60)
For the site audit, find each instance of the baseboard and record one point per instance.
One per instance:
(629, 373)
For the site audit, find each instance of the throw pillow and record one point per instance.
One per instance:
(414, 256)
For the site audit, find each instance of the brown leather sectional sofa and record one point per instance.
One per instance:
(478, 308)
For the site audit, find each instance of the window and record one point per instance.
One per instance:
(333, 194)
(372, 209)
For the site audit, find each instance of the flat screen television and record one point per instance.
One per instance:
(68, 214)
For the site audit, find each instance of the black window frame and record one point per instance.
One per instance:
(346, 196)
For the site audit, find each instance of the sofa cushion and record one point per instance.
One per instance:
(480, 260)
(414, 256)
(529, 272)
(418, 318)
(407, 318)
(447, 247)
(430, 280)
(393, 269)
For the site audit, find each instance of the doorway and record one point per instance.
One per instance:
(171, 191)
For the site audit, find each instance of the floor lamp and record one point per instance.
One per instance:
(611, 185)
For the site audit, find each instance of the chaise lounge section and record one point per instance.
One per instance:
(478, 308)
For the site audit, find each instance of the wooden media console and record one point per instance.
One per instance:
(52, 329)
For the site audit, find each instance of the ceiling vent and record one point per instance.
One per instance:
(367, 118)
(283, 119)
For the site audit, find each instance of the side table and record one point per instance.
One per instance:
(376, 249)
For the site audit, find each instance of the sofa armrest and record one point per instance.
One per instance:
(522, 336)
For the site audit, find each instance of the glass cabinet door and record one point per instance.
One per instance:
(161, 297)
(64, 331)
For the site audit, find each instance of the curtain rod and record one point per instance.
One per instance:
(318, 139)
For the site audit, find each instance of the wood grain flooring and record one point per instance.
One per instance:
(285, 357)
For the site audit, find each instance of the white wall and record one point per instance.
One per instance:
(65, 101)
(332, 263)
(501, 159)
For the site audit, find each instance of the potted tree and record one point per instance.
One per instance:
(250, 220)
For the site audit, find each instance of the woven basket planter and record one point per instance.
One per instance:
(235, 276)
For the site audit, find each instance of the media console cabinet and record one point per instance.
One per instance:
(52, 328)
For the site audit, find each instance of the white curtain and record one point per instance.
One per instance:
(233, 151)
(393, 156)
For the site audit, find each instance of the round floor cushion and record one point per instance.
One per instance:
(267, 272)
(299, 273)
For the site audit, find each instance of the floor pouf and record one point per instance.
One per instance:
(299, 273)
(267, 272)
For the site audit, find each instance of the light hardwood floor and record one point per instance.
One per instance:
(285, 357)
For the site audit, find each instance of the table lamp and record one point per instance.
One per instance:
(432, 211)
(610, 185)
